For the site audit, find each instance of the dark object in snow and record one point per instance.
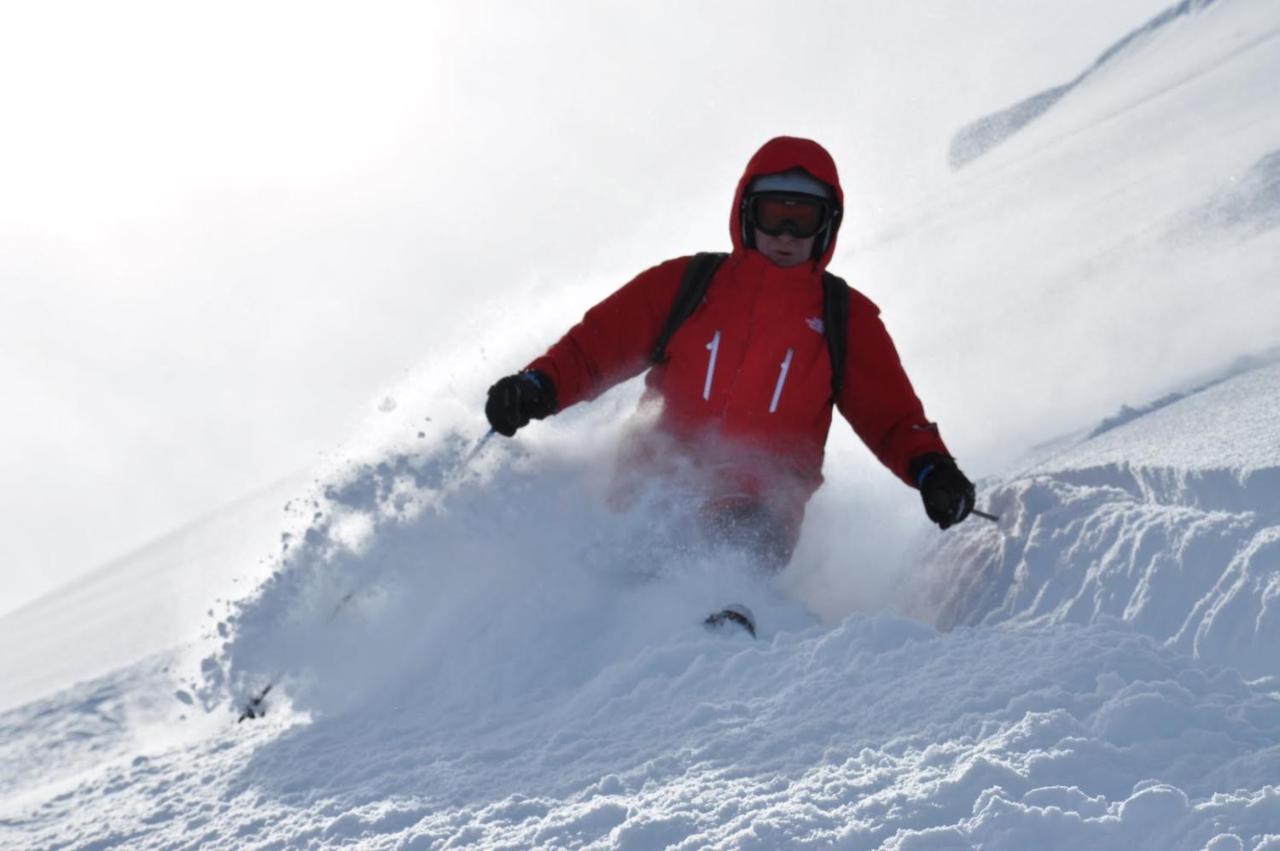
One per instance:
(255, 708)
(1239, 366)
(735, 614)
(1128, 413)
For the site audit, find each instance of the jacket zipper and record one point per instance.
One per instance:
(714, 348)
(782, 379)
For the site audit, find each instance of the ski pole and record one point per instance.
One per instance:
(994, 518)
(475, 450)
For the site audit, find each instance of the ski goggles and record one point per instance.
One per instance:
(777, 213)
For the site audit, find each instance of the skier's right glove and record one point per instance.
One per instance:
(947, 493)
(516, 399)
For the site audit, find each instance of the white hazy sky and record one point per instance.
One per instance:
(223, 228)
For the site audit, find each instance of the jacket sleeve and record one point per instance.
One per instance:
(878, 399)
(615, 338)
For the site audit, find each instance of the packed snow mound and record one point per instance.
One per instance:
(1170, 522)
(1156, 44)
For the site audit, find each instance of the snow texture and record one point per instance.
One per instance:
(879, 732)
(1170, 522)
(468, 648)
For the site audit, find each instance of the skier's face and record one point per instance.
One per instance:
(784, 250)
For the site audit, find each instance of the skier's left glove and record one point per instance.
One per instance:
(947, 493)
(516, 399)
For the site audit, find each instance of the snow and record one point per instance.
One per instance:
(877, 732)
(1229, 426)
(1114, 250)
(1170, 522)
(976, 139)
(129, 609)
(468, 647)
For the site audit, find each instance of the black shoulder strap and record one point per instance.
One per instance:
(835, 327)
(693, 288)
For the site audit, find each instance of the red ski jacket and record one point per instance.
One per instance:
(746, 388)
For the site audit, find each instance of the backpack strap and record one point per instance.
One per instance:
(693, 288)
(835, 327)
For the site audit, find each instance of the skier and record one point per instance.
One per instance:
(745, 383)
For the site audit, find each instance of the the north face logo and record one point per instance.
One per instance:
(814, 324)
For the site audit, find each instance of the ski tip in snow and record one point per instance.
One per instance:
(255, 708)
(735, 614)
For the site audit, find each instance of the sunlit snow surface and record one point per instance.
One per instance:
(474, 651)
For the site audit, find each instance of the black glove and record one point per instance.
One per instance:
(948, 495)
(518, 398)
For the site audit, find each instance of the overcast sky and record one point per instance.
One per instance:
(224, 229)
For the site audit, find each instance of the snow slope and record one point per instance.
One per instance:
(876, 733)
(469, 650)
(560, 694)
(979, 137)
(151, 600)
(1119, 247)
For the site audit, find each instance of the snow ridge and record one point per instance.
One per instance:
(1187, 553)
(1251, 205)
(1128, 414)
(976, 139)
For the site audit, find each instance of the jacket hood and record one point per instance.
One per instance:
(784, 153)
